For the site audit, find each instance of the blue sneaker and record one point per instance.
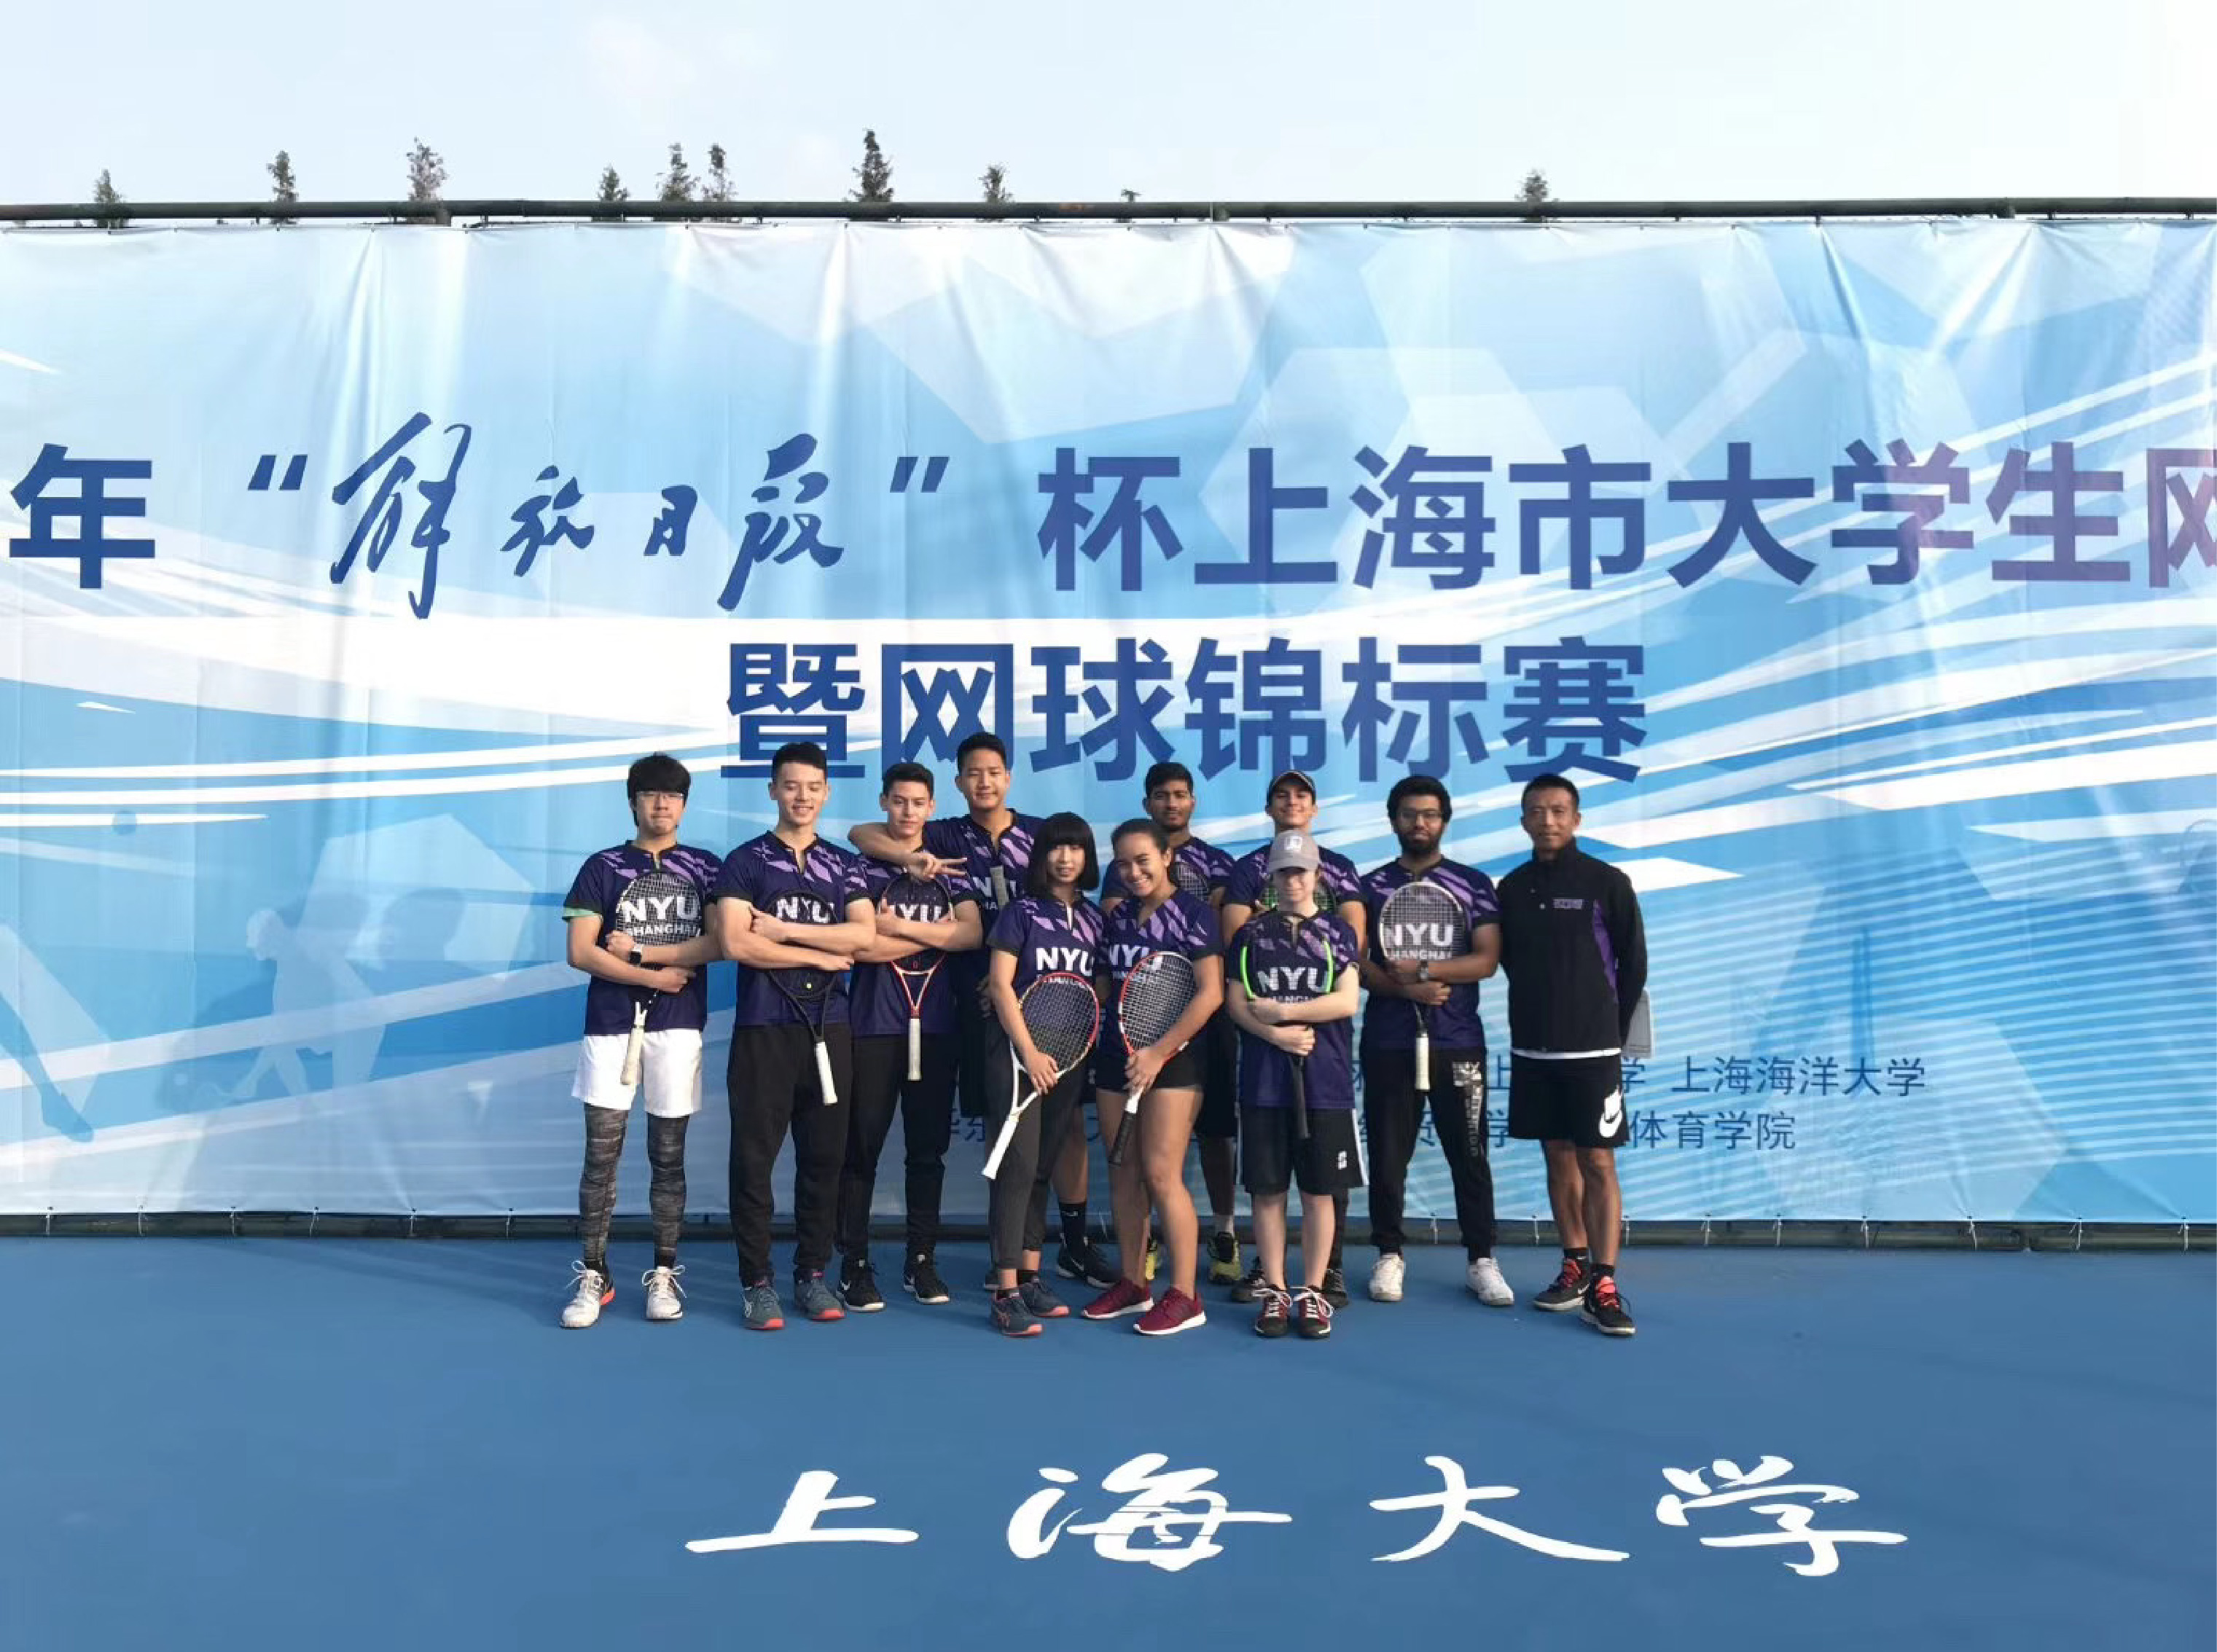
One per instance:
(1011, 1317)
(815, 1298)
(1041, 1301)
(763, 1311)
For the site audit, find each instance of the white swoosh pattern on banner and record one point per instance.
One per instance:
(298, 1027)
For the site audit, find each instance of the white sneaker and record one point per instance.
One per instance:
(1485, 1276)
(593, 1293)
(1386, 1277)
(662, 1297)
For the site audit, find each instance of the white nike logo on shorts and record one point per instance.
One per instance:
(1612, 1114)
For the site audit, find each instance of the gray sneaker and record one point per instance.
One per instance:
(1040, 1300)
(762, 1311)
(815, 1298)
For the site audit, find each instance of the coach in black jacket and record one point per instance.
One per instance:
(1575, 955)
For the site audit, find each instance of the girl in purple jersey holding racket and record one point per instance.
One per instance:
(1165, 1072)
(1051, 929)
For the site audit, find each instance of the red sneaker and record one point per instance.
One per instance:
(1121, 1299)
(1176, 1312)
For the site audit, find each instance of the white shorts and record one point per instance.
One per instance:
(670, 1072)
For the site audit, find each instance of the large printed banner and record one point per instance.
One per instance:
(1861, 573)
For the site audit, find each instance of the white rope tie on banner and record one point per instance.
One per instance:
(314, 1212)
(2078, 1233)
(1864, 1224)
(1705, 1230)
(1974, 1227)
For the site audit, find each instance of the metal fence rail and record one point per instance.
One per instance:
(1217, 212)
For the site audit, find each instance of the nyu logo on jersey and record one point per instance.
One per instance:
(1070, 960)
(798, 906)
(639, 911)
(1123, 955)
(1415, 938)
(1570, 903)
(1291, 981)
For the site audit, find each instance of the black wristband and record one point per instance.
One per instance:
(638, 958)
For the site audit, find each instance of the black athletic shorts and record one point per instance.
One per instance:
(1270, 1160)
(1579, 1100)
(1183, 1071)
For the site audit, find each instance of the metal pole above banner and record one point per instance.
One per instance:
(1217, 212)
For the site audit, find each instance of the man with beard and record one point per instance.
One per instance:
(1393, 1105)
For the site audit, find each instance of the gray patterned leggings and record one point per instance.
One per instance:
(596, 1188)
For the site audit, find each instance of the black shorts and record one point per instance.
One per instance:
(1181, 1072)
(1219, 1080)
(1270, 1160)
(1579, 1100)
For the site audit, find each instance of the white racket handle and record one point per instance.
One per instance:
(632, 1050)
(1008, 1135)
(824, 1074)
(1424, 1061)
(915, 1048)
(1000, 888)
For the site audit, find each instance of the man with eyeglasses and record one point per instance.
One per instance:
(1418, 809)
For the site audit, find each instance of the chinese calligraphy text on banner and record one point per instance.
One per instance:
(1861, 573)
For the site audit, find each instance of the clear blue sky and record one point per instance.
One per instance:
(1203, 98)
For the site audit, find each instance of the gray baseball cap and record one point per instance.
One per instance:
(1294, 849)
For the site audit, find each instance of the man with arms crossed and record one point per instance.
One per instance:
(880, 1017)
(787, 900)
(1576, 956)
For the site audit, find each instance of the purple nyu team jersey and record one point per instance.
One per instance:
(878, 1007)
(598, 892)
(1047, 936)
(1181, 924)
(963, 838)
(1307, 963)
(1390, 1023)
(762, 873)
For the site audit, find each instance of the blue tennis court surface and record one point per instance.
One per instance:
(346, 1443)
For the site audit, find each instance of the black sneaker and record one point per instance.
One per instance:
(858, 1286)
(1250, 1288)
(1312, 1313)
(920, 1279)
(1335, 1292)
(1088, 1265)
(1604, 1308)
(1277, 1316)
(1568, 1291)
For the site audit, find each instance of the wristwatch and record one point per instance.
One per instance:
(1424, 970)
(638, 958)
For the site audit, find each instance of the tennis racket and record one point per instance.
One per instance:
(919, 900)
(1422, 923)
(1291, 986)
(1062, 1015)
(809, 992)
(1157, 993)
(1189, 879)
(1639, 1042)
(656, 909)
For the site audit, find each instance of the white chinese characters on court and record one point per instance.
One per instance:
(796, 1523)
(1179, 1512)
(1453, 1505)
(1765, 1480)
